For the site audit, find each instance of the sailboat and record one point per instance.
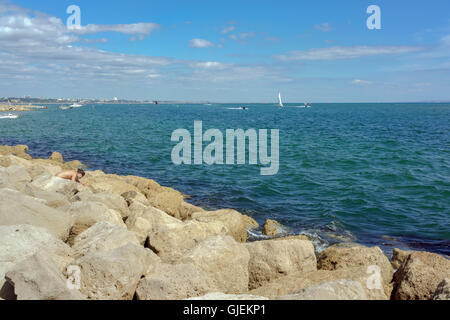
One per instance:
(280, 103)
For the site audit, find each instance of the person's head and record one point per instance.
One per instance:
(80, 173)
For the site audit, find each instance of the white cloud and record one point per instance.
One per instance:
(20, 29)
(246, 35)
(130, 29)
(153, 76)
(7, 7)
(359, 81)
(216, 72)
(39, 55)
(208, 65)
(242, 36)
(339, 53)
(37, 45)
(200, 43)
(227, 30)
(442, 50)
(101, 40)
(325, 27)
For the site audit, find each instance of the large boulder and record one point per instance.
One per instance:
(38, 169)
(52, 183)
(111, 200)
(295, 282)
(5, 161)
(137, 209)
(343, 257)
(86, 214)
(10, 160)
(98, 182)
(38, 278)
(51, 199)
(186, 210)
(18, 151)
(144, 185)
(73, 165)
(250, 222)
(163, 198)
(14, 177)
(233, 220)
(135, 196)
(224, 260)
(273, 228)
(271, 259)
(170, 201)
(174, 282)
(166, 199)
(17, 208)
(114, 274)
(223, 296)
(172, 241)
(5, 182)
(102, 236)
(145, 220)
(19, 242)
(334, 290)
(56, 156)
(419, 276)
(443, 290)
(399, 257)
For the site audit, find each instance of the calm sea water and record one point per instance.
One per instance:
(378, 174)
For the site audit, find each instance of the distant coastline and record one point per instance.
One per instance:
(25, 101)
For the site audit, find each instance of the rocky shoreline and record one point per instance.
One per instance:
(127, 237)
(7, 107)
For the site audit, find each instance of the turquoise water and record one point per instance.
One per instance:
(378, 174)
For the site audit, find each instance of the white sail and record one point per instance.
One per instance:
(280, 103)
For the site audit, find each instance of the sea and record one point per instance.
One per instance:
(371, 173)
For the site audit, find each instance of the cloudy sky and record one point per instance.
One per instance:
(226, 51)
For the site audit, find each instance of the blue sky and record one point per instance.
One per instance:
(227, 51)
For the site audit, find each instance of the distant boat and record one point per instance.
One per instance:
(76, 105)
(9, 116)
(280, 103)
(65, 107)
(238, 108)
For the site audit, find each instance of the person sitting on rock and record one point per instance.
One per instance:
(72, 175)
